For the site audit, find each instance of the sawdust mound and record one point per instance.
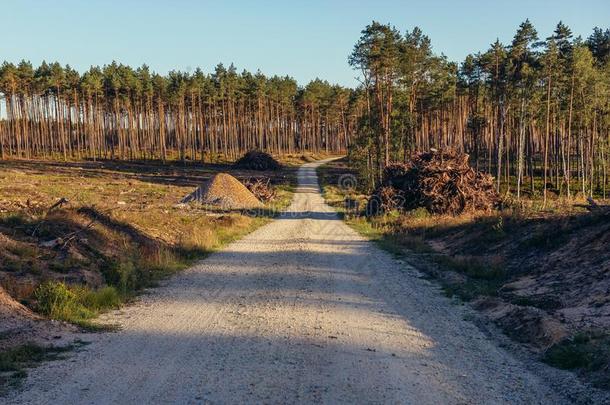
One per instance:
(14, 319)
(257, 160)
(440, 181)
(224, 191)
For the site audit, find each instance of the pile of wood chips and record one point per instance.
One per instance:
(440, 181)
(224, 191)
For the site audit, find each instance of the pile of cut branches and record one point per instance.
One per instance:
(261, 188)
(440, 181)
(257, 160)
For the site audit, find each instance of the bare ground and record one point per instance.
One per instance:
(302, 310)
(18, 324)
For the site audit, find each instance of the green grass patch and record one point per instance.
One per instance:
(471, 289)
(587, 352)
(14, 362)
(75, 304)
(473, 267)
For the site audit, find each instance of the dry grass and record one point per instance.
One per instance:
(122, 226)
(297, 159)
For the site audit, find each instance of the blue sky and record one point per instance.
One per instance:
(304, 39)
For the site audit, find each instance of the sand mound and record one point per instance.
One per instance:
(11, 308)
(16, 321)
(225, 191)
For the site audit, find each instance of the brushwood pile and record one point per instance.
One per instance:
(440, 181)
(257, 160)
(261, 188)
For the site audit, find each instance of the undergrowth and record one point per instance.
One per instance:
(586, 352)
(75, 304)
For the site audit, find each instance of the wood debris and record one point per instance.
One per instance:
(440, 181)
(257, 160)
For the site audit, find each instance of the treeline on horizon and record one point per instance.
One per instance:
(535, 113)
(117, 112)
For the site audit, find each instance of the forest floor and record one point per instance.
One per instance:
(119, 229)
(541, 275)
(302, 310)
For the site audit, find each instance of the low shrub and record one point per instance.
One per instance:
(74, 304)
(582, 351)
(54, 299)
(99, 300)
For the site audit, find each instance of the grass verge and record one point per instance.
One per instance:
(586, 353)
(14, 362)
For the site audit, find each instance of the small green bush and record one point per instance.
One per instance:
(130, 274)
(99, 300)
(75, 304)
(587, 351)
(420, 212)
(121, 274)
(54, 298)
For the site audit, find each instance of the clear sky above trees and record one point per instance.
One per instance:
(304, 39)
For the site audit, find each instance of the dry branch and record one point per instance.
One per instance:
(66, 239)
(58, 204)
(261, 188)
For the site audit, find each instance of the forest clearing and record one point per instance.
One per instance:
(111, 228)
(436, 230)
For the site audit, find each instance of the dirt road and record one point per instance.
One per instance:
(302, 310)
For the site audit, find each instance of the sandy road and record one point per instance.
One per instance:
(302, 310)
